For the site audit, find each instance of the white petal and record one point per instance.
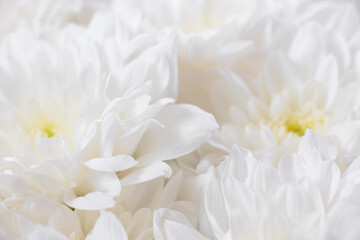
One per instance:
(146, 173)
(185, 128)
(112, 164)
(170, 224)
(95, 190)
(140, 221)
(290, 168)
(87, 219)
(277, 225)
(264, 177)
(177, 231)
(240, 196)
(91, 201)
(215, 209)
(65, 220)
(45, 233)
(108, 136)
(168, 195)
(241, 227)
(107, 227)
(328, 75)
(236, 165)
(348, 134)
(129, 142)
(99, 181)
(311, 141)
(280, 74)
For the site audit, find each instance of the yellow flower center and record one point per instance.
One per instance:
(42, 128)
(44, 125)
(298, 125)
(295, 124)
(47, 130)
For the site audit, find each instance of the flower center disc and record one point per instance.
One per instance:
(47, 130)
(295, 124)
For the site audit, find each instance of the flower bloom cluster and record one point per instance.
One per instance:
(173, 120)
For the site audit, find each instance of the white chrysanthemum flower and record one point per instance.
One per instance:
(292, 201)
(83, 120)
(43, 98)
(286, 101)
(246, 198)
(269, 76)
